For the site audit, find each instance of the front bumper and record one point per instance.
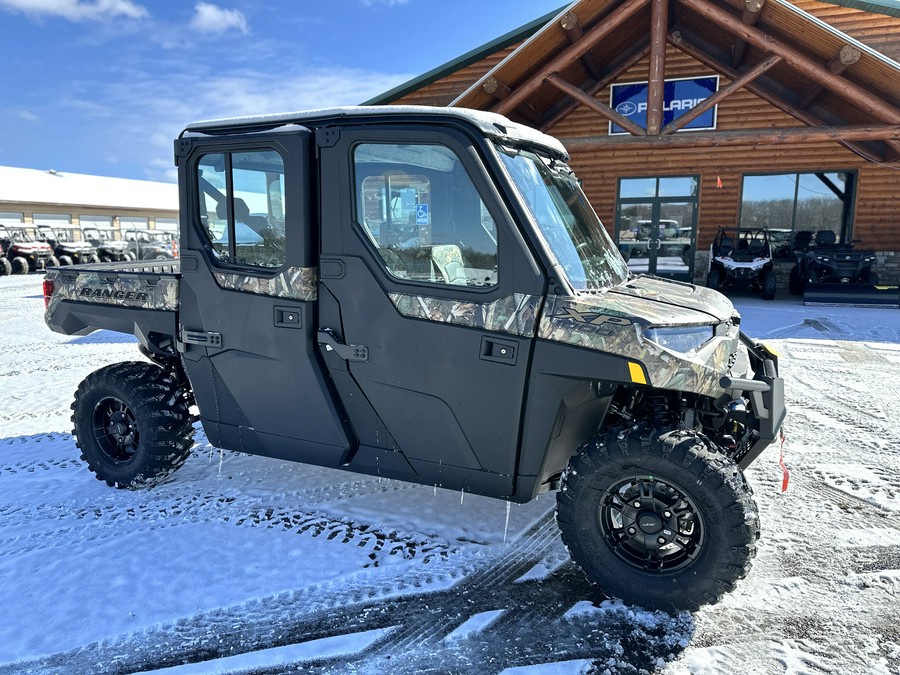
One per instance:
(765, 392)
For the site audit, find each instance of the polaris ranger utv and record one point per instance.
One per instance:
(426, 294)
(24, 253)
(109, 249)
(66, 249)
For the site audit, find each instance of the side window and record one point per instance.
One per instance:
(421, 211)
(242, 206)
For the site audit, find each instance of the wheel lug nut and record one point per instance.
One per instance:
(667, 514)
(637, 505)
(632, 531)
(661, 540)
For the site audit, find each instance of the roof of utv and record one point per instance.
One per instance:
(490, 124)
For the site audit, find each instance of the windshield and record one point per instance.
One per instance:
(566, 220)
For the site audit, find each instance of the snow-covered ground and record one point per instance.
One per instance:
(243, 564)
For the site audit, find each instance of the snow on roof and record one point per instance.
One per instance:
(34, 186)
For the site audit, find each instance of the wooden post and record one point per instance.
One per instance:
(659, 27)
(743, 137)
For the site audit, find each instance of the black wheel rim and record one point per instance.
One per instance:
(651, 524)
(115, 429)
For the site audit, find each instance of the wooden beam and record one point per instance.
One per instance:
(738, 83)
(806, 66)
(574, 32)
(678, 41)
(603, 29)
(844, 59)
(656, 84)
(744, 137)
(750, 16)
(595, 105)
(626, 62)
(500, 91)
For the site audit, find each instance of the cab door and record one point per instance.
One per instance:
(427, 306)
(248, 292)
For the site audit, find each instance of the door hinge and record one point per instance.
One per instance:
(346, 352)
(199, 338)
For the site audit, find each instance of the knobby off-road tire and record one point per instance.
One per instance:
(714, 279)
(768, 285)
(19, 265)
(132, 424)
(65, 261)
(5, 267)
(658, 520)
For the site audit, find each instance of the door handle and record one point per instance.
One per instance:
(499, 351)
(347, 352)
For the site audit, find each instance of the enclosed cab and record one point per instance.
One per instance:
(426, 294)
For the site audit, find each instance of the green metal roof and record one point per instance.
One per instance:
(511, 38)
(888, 7)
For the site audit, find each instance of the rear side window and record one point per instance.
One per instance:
(418, 207)
(242, 206)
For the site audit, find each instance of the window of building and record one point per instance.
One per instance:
(242, 206)
(796, 207)
(420, 210)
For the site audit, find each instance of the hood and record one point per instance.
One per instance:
(619, 322)
(30, 247)
(80, 246)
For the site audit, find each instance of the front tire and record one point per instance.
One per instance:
(5, 267)
(132, 424)
(65, 261)
(19, 265)
(658, 519)
(768, 285)
(714, 279)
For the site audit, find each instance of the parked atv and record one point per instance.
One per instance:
(827, 262)
(24, 253)
(66, 249)
(108, 248)
(742, 257)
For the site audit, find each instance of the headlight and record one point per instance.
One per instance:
(683, 339)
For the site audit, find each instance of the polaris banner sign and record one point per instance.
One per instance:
(630, 100)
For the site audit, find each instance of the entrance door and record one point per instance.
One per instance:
(656, 225)
(427, 308)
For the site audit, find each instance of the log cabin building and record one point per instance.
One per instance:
(683, 116)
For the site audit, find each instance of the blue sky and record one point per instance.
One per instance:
(104, 86)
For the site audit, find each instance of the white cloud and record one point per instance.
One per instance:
(386, 3)
(28, 116)
(210, 18)
(77, 10)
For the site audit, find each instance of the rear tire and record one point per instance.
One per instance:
(19, 265)
(132, 424)
(52, 261)
(65, 261)
(5, 267)
(714, 279)
(658, 519)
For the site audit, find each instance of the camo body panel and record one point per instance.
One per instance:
(668, 302)
(614, 325)
(295, 283)
(515, 314)
(112, 286)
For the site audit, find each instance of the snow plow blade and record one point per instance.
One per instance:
(855, 295)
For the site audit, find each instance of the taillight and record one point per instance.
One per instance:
(49, 287)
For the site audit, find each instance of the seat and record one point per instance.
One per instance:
(825, 238)
(726, 246)
(447, 258)
(802, 239)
